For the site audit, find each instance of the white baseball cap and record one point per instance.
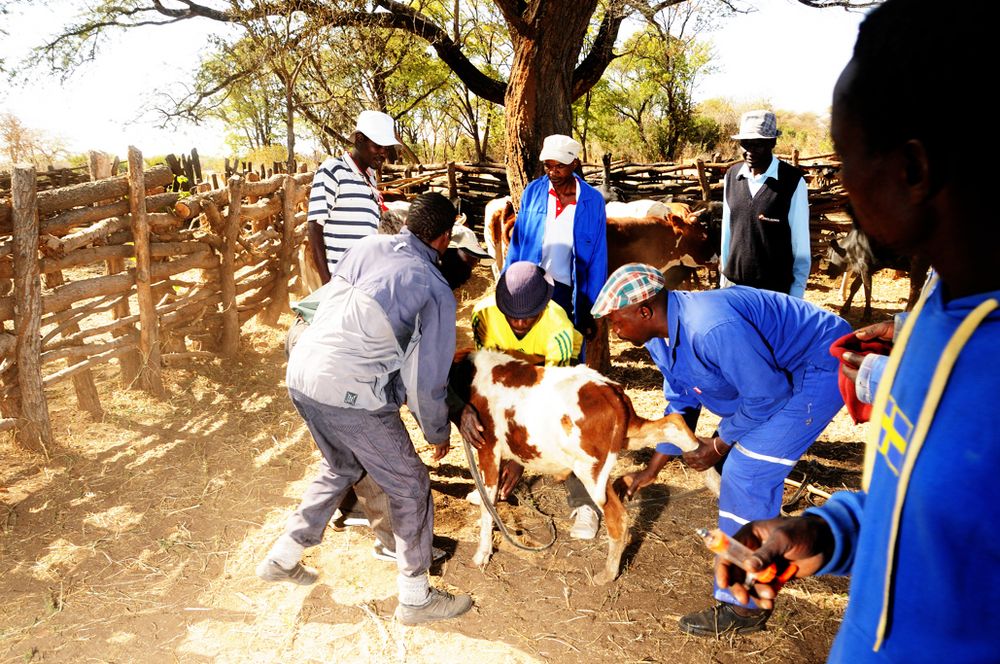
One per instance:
(558, 147)
(378, 127)
(464, 238)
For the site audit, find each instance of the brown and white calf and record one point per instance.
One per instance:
(558, 420)
(498, 225)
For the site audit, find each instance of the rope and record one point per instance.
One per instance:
(491, 508)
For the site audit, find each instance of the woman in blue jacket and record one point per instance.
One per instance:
(561, 226)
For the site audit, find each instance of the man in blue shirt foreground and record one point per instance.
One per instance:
(919, 540)
(758, 359)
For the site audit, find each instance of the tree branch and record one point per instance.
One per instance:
(512, 13)
(591, 69)
(401, 17)
(847, 4)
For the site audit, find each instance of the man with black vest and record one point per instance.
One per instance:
(765, 214)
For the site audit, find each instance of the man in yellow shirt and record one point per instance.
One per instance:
(521, 319)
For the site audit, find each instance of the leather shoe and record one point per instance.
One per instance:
(723, 619)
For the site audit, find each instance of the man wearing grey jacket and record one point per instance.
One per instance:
(384, 336)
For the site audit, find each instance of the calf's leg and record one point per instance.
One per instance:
(615, 520)
(855, 285)
(489, 467)
(866, 277)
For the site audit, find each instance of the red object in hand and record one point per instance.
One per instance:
(849, 343)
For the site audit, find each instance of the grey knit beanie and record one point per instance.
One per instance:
(523, 290)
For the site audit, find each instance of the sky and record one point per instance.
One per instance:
(782, 52)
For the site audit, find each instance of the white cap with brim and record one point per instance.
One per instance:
(558, 147)
(378, 127)
(463, 238)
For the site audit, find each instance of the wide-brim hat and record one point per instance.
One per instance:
(463, 238)
(757, 124)
(378, 127)
(523, 290)
(561, 148)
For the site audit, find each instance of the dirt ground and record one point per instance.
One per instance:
(137, 540)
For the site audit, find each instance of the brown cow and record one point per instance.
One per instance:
(676, 238)
(557, 420)
(664, 242)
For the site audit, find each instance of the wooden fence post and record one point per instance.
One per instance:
(34, 430)
(452, 181)
(795, 157)
(706, 189)
(227, 270)
(129, 362)
(286, 254)
(150, 378)
(196, 162)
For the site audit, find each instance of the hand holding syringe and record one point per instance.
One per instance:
(726, 547)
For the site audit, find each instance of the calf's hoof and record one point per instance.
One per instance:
(481, 559)
(605, 576)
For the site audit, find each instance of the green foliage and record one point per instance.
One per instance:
(266, 155)
(807, 132)
(334, 60)
(642, 108)
(77, 159)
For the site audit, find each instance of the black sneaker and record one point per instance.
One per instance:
(441, 605)
(723, 619)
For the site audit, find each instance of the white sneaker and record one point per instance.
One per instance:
(379, 552)
(585, 526)
(351, 520)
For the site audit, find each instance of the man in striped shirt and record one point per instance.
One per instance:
(345, 203)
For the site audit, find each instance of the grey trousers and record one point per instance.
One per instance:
(369, 497)
(576, 494)
(354, 442)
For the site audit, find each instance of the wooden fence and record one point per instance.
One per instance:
(50, 178)
(134, 275)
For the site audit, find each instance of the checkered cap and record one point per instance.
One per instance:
(630, 284)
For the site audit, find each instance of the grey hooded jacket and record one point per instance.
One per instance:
(383, 334)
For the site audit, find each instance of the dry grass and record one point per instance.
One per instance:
(137, 541)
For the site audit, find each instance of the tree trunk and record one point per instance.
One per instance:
(539, 97)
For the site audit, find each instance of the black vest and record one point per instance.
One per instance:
(760, 237)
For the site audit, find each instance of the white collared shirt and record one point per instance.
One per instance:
(557, 244)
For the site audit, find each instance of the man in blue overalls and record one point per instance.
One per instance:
(758, 359)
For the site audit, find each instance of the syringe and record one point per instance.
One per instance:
(725, 546)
